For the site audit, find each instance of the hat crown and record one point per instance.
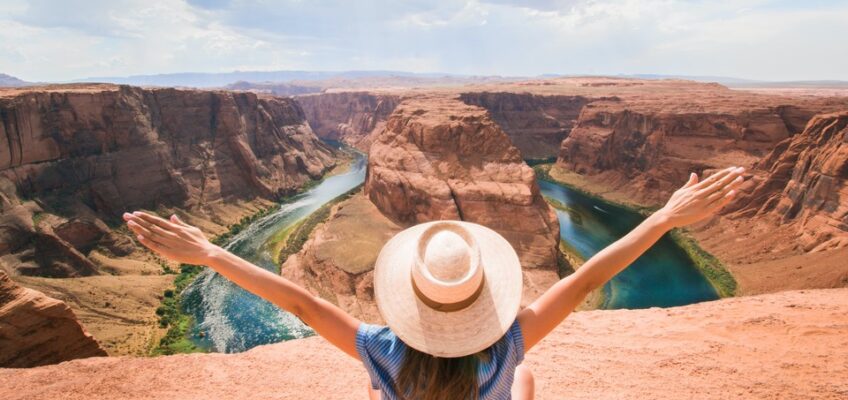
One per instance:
(447, 256)
(447, 267)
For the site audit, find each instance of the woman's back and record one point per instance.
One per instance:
(383, 354)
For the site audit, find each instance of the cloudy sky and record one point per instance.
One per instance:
(42, 40)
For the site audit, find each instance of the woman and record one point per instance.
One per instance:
(449, 292)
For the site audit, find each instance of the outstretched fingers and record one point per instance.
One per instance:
(720, 193)
(713, 178)
(693, 179)
(727, 177)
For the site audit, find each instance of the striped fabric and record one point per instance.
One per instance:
(382, 353)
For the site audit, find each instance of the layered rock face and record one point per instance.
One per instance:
(536, 124)
(713, 350)
(652, 152)
(88, 153)
(39, 330)
(349, 117)
(439, 158)
(806, 184)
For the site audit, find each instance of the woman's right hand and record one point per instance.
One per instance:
(173, 239)
(696, 200)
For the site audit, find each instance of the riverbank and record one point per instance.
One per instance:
(291, 240)
(171, 312)
(708, 265)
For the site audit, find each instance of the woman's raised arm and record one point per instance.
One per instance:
(178, 241)
(691, 203)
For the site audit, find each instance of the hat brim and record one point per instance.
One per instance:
(455, 333)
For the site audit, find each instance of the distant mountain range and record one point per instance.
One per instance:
(11, 81)
(212, 79)
(313, 81)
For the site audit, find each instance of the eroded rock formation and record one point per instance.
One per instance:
(439, 158)
(87, 153)
(714, 350)
(39, 330)
(349, 117)
(337, 261)
(652, 152)
(74, 157)
(806, 184)
(536, 124)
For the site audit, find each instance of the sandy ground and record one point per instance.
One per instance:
(790, 345)
(119, 311)
(118, 307)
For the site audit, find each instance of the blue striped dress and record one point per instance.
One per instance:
(382, 353)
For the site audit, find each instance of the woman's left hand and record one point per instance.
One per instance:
(696, 200)
(173, 239)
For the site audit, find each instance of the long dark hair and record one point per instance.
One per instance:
(426, 377)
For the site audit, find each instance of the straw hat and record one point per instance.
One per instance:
(448, 288)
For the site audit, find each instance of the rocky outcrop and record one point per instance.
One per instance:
(650, 153)
(805, 183)
(439, 158)
(714, 350)
(75, 157)
(349, 117)
(39, 330)
(536, 124)
(337, 261)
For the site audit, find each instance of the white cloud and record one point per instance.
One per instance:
(777, 40)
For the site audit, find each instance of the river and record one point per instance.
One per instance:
(663, 277)
(230, 319)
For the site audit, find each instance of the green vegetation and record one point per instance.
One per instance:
(236, 228)
(171, 315)
(711, 267)
(37, 217)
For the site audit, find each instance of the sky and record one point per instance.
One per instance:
(755, 39)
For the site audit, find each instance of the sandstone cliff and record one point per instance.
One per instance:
(645, 137)
(783, 345)
(652, 152)
(38, 330)
(349, 117)
(74, 157)
(789, 227)
(439, 158)
(536, 124)
(86, 154)
(806, 184)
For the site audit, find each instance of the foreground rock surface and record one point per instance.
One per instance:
(790, 345)
(439, 158)
(38, 330)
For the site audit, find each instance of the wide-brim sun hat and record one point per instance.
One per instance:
(448, 288)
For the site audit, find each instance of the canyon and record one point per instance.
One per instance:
(74, 157)
(440, 152)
